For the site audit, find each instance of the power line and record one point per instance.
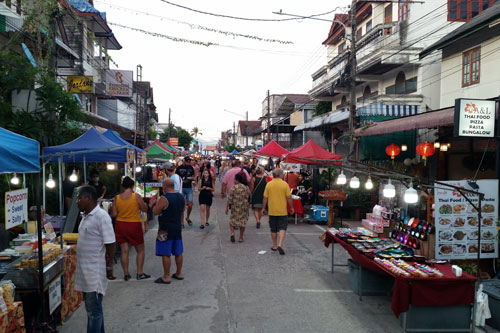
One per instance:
(200, 27)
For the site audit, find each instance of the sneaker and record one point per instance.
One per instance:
(143, 276)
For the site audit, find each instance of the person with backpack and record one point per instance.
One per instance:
(257, 187)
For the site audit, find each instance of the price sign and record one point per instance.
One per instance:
(16, 207)
(55, 294)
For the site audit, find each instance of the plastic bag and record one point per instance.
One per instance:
(482, 307)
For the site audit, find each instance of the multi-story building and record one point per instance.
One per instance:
(246, 130)
(391, 81)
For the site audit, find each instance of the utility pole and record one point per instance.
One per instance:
(137, 104)
(268, 117)
(246, 128)
(169, 125)
(352, 80)
(234, 133)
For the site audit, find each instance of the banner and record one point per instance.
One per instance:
(80, 84)
(457, 221)
(174, 141)
(16, 208)
(119, 83)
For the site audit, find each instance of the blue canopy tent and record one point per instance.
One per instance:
(112, 136)
(234, 152)
(18, 153)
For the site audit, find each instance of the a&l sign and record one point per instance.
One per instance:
(474, 117)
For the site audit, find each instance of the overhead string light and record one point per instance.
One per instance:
(341, 179)
(389, 190)
(369, 183)
(354, 183)
(14, 180)
(411, 195)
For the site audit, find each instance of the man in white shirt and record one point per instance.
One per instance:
(94, 260)
(170, 171)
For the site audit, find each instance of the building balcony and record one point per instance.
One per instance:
(325, 77)
(390, 105)
(383, 49)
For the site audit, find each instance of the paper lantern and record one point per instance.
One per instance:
(392, 150)
(425, 149)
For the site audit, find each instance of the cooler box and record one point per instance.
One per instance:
(492, 288)
(372, 284)
(320, 213)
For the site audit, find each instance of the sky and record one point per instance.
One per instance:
(199, 82)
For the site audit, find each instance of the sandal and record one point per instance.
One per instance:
(161, 281)
(240, 241)
(232, 239)
(202, 226)
(127, 277)
(207, 224)
(258, 225)
(189, 222)
(177, 278)
(143, 276)
(274, 249)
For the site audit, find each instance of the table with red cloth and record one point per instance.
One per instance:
(297, 206)
(12, 321)
(71, 299)
(431, 291)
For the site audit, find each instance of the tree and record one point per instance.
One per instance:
(322, 108)
(184, 138)
(195, 132)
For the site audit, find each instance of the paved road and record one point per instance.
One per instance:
(231, 288)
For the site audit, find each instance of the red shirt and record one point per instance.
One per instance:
(292, 179)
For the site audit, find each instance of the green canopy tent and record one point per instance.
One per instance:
(155, 151)
(172, 148)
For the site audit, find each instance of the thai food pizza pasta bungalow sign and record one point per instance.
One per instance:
(457, 221)
(474, 118)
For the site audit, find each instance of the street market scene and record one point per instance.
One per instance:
(193, 166)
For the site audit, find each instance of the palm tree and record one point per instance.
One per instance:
(195, 132)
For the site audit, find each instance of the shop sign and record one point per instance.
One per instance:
(16, 207)
(174, 141)
(474, 118)
(55, 295)
(457, 221)
(80, 84)
(119, 83)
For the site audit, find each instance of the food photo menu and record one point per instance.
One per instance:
(457, 221)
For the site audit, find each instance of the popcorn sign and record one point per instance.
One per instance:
(16, 207)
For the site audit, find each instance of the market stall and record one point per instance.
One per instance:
(271, 149)
(311, 153)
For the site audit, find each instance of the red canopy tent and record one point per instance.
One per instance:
(311, 153)
(272, 149)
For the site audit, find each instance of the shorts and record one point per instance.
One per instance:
(278, 223)
(169, 247)
(188, 193)
(129, 232)
(257, 206)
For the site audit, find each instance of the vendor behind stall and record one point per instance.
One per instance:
(292, 179)
(97, 184)
(304, 188)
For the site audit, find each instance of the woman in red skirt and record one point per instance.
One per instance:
(128, 228)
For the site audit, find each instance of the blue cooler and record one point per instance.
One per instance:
(320, 213)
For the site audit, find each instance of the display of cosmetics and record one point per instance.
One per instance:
(387, 264)
(429, 270)
(409, 268)
(410, 230)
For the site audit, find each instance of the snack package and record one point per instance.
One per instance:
(3, 306)
(8, 291)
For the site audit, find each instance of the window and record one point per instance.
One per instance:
(342, 48)
(368, 25)
(388, 18)
(367, 92)
(359, 33)
(464, 10)
(471, 67)
(404, 10)
(400, 83)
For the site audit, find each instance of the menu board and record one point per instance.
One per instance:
(457, 221)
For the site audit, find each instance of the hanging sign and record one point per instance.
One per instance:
(457, 221)
(80, 84)
(474, 117)
(119, 83)
(174, 141)
(16, 208)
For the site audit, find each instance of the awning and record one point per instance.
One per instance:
(328, 119)
(429, 119)
(383, 109)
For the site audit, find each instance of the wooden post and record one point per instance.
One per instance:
(330, 213)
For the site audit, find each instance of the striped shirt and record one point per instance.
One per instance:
(95, 232)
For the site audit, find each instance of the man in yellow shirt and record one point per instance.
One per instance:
(277, 194)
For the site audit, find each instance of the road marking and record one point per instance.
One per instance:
(322, 291)
(321, 228)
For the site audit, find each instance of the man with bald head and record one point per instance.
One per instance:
(169, 239)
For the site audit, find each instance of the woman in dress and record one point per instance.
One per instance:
(206, 185)
(257, 187)
(128, 228)
(239, 205)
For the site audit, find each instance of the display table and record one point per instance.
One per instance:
(71, 299)
(429, 291)
(12, 321)
(297, 207)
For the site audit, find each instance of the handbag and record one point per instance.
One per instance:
(162, 235)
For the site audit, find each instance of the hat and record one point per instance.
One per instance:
(168, 166)
(187, 158)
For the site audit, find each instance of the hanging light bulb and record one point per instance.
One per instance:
(50, 182)
(411, 195)
(437, 145)
(443, 148)
(14, 180)
(138, 169)
(389, 190)
(73, 176)
(110, 166)
(354, 183)
(341, 179)
(404, 147)
(369, 184)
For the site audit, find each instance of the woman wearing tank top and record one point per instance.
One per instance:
(128, 228)
(207, 187)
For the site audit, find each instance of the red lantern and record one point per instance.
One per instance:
(392, 150)
(425, 149)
